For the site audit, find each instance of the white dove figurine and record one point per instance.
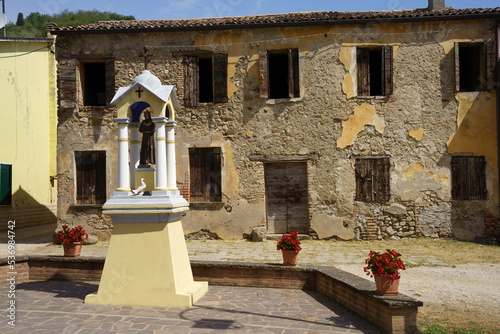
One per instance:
(140, 189)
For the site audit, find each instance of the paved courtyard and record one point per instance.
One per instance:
(57, 307)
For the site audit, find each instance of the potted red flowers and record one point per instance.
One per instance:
(72, 239)
(384, 267)
(290, 247)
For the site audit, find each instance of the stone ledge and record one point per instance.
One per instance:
(18, 259)
(367, 288)
(395, 314)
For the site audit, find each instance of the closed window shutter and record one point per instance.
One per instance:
(363, 180)
(67, 83)
(110, 80)
(372, 179)
(90, 177)
(214, 175)
(477, 178)
(363, 68)
(457, 66)
(468, 179)
(191, 81)
(382, 178)
(489, 64)
(195, 179)
(387, 70)
(205, 166)
(293, 73)
(220, 78)
(264, 74)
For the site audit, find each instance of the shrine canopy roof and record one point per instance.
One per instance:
(154, 93)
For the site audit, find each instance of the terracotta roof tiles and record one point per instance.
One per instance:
(303, 18)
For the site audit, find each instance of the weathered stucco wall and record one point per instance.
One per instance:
(418, 127)
(28, 130)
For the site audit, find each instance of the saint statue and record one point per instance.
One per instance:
(147, 128)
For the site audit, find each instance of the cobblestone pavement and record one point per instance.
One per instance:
(57, 307)
(313, 252)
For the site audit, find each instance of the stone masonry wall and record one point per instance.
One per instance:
(418, 127)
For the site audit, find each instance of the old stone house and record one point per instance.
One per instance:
(352, 125)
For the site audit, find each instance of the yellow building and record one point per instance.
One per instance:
(28, 185)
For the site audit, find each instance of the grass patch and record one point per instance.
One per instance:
(434, 326)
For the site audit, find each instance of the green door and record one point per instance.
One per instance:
(5, 184)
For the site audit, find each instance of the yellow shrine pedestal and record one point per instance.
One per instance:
(147, 261)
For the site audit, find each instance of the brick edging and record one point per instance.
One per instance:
(396, 314)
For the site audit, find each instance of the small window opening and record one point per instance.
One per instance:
(206, 80)
(376, 78)
(278, 75)
(470, 68)
(94, 87)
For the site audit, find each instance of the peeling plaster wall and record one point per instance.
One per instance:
(418, 127)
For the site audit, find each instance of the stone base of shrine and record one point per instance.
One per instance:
(148, 264)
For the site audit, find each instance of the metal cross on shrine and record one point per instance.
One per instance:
(146, 57)
(139, 91)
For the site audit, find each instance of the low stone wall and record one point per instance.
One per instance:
(393, 314)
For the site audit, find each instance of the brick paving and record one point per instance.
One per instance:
(57, 307)
(313, 252)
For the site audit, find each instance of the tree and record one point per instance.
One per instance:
(34, 25)
(20, 20)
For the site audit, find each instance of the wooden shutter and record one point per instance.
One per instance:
(293, 73)
(380, 191)
(214, 163)
(220, 78)
(468, 179)
(205, 174)
(489, 65)
(191, 82)
(457, 66)
(477, 178)
(110, 79)
(387, 70)
(195, 172)
(90, 177)
(67, 83)
(363, 67)
(264, 74)
(363, 180)
(372, 179)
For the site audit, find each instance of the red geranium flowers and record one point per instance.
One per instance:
(71, 235)
(289, 242)
(384, 264)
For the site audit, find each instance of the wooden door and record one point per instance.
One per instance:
(286, 196)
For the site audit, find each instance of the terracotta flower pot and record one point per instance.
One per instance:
(289, 257)
(72, 250)
(386, 286)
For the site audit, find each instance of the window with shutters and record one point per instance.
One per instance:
(374, 71)
(205, 165)
(90, 177)
(468, 179)
(87, 81)
(279, 73)
(372, 179)
(474, 66)
(205, 79)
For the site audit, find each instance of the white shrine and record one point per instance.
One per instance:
(147, 261)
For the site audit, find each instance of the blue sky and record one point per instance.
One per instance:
(177, 9)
